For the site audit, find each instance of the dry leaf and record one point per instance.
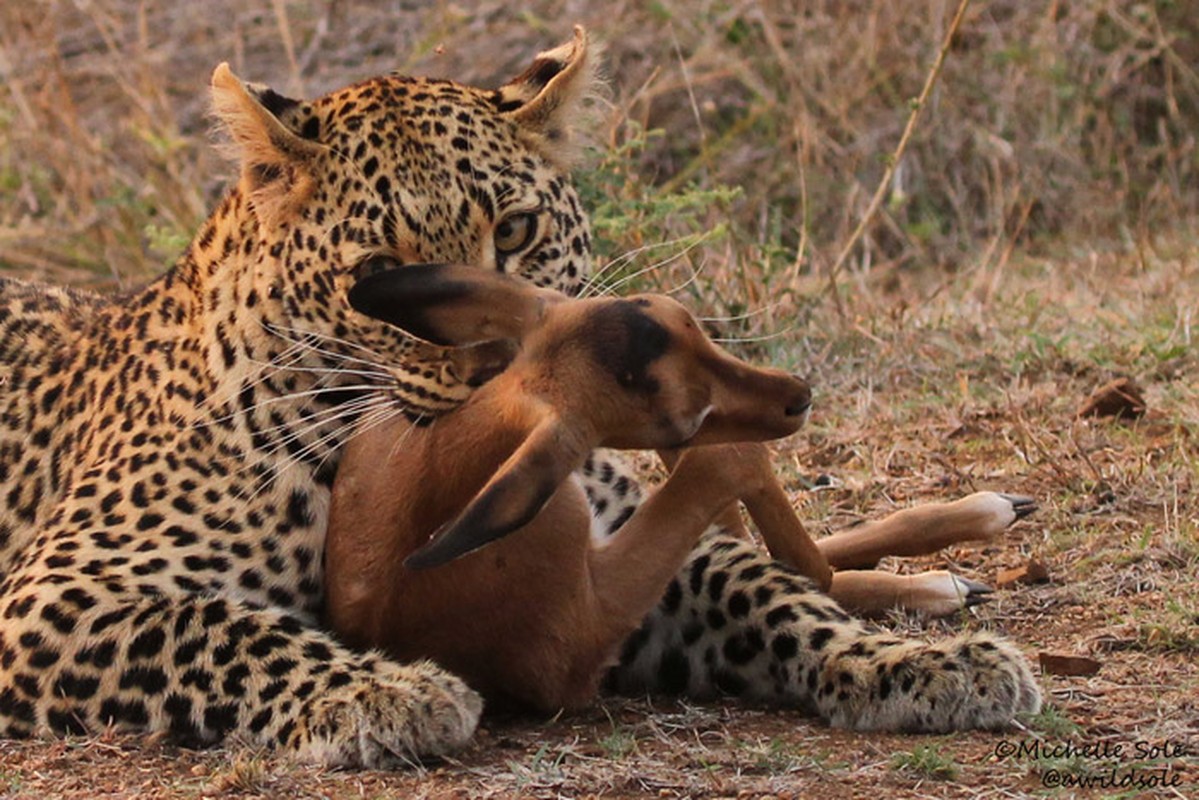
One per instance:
(1120, 398)
(1053, 664)
(1033, 572)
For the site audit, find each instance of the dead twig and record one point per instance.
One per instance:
(893, 160)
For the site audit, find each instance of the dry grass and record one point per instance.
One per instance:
(1050, 119)
(1035, 242)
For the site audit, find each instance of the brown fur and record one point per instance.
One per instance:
(536, 616)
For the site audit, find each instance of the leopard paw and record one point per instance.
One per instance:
(378, 721)
(974, 680)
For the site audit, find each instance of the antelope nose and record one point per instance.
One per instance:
(801, 399)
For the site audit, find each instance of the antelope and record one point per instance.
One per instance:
(466, 541)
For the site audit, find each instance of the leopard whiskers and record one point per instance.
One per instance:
(695, 273)
(304, 338)
(301, 343)
(267, 472)
(225, 399)
(395, 447)
(287, 398)
(357, 419)
(330, 365)
(750, 339)
(362, 424)
(345, 424)
(594, 286)
(312, 420)
(740, 317)
(380, 416)
(369, 422)
(329, 373)
(308, 421)
(352, 368)
(324, 384)
(614, 288)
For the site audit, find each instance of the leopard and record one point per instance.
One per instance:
(167, 453)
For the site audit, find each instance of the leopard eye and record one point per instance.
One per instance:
(515, 232)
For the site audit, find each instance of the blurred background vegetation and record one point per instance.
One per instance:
(1054, 169)
(764, 125)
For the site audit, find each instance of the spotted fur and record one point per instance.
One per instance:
(166, 455)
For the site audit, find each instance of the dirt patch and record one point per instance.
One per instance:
(1137, 720)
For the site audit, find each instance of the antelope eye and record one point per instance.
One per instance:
(515, 232)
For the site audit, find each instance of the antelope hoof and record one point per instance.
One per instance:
(1022, 505)
(941, 593)
(991, 513)
(975, 593)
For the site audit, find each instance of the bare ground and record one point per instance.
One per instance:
(956, 396)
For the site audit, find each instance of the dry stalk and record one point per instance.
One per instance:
(801, 147)
(893, 161)
(289, 47)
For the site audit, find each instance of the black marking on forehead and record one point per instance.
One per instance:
(626, 341)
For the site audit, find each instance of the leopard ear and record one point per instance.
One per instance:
(274, 158)
(547, 98)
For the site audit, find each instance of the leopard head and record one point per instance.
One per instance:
(400, 170)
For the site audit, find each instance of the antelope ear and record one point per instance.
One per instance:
(274, 158)
(546, 99)
(513, 497)
(450, 305)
